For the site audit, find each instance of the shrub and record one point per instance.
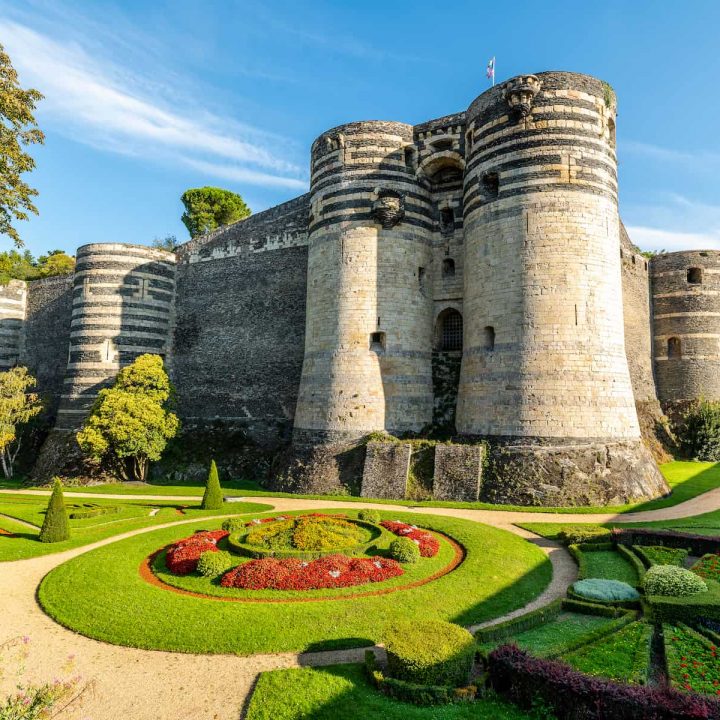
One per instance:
(372, 516)
(429, 652)
(213, 496)
(575, 534)
(214, 563)
(182, 557)
(659, 555)
(699, 432)
(233, 524)
(428, 543)
(404, 550)
(609, 591)
(672, 581)
(55, 527)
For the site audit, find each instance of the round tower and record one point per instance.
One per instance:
(544, 372)
(686, 326)
(123, 301)
(368, 332)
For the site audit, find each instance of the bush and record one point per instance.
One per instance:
(429, 652)
(213, 496)
(427, 542)
(672, 581)
(609, 591)
(214, 563)
(183, 556)
(575, 534)
(55, 527)
(699, 432)
(232, 525)
(404, 550)
(372, 516)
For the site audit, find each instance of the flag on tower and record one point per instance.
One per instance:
(491, 70)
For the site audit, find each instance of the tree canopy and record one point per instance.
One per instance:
(17, 130)
(207, 208)
(130, 423)
(23, 266)
(17, 407)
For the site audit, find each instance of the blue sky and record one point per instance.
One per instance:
(146, 98)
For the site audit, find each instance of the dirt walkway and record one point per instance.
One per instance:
(151, 685)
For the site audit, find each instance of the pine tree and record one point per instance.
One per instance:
(55, 527)
(213, 497)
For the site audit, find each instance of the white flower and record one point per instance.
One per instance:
(303, 564)
(414, 527)
(417, 542)
(334, 573)
(405, 531)
(256, 521)
(378, 564)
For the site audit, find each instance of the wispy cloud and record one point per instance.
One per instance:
(105, 106)
(649, 238)
(671, 155)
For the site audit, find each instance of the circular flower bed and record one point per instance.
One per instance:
(330, 571)
(427, 542)
(182, 557)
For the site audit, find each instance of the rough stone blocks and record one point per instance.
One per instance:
(386, 470)
(458, 472)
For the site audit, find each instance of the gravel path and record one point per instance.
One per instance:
(152, 685)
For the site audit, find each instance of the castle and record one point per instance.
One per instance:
(470, 273)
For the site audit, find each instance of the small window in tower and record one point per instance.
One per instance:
(674, 347)
(421, 278)
(633, 259)
(611, 131)
(489, 334)
(377, 341)
(409, 157)
(447, 220)
(469, 140)
(448, 268)
(695, 276)
(491, 185)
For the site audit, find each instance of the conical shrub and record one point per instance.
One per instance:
(213, 497)
(55, 527)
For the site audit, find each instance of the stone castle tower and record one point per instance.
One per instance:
(465, 278)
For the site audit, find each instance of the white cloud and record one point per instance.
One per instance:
(648, 238)
(664, 154)
(106, 107)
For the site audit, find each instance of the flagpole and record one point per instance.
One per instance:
(494, 69)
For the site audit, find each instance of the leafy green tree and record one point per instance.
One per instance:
(130, 423)
(17, 407)
(23, 266)
(56, 262)
(17, 130)
(55, 527)
(207, 208)
(699, 431)
(213, 496)
(169, 243)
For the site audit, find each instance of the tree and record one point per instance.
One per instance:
(207, 208)
(169, 243)
(55, 527)
(17, 407)
(17, 129)
(213, 496)
(23, 266)
(130, 423)
(56, 262)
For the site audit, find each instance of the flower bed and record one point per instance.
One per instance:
(708, 567)
(182, 557)
(307, 532)
(428, 543)
(692, 659)
(331, 571)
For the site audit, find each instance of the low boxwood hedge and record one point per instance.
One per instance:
(688, 609)
(576, 534)
(528, 621)
(429, 652)
(590, 608)
(634, 560)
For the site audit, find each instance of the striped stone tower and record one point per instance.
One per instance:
(544, 372)
(686, 326)
(123, 302)
(13, 299)
(368, 338)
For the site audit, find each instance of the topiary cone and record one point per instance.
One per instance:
(213, 497)
(55, 527)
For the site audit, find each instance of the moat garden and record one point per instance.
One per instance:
(379, 609)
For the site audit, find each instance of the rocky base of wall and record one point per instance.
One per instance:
(656, 430)
(385, 473)
(458, 472)
(595, 473)
(61, 456)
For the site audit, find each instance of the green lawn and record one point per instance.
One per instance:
(686, 479)
(609, 565)
(23, 543)
(100, 594)
(338, 692)
(550, 637)
(623, 656)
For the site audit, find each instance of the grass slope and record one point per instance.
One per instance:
(609, 565)
(343, 691)
(100, 594)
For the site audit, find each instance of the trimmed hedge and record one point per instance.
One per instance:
(590, 608)
(687, 609)
(594, 635)
(404, 550)
(634, 560)
(672, 581)
(213, 495)
(612, 592)
(429, 652)
(91, 511)
(696, 544)
(528, 621)
(55, 527)
(576, 534)
(372, 516)
(659, 555)
(526, 680)
(414, 693)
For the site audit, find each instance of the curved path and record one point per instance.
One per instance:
(154, 685)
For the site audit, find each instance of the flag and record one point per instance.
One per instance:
(491, 70)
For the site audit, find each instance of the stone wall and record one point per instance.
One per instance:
(386, 470)
(13, 297)
(458, 472)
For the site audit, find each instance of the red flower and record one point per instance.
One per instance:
(428, 543)
(182, 557)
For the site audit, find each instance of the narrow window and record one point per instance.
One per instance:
(491, 185)
(377, 341)
(468, 140)
(448, 268)
(611, 131)
(409, 157)
(489, 333)
(633, 259)
(451, 330)
(694, 276)
(674, 348)
(447, 220)
(421, 278)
